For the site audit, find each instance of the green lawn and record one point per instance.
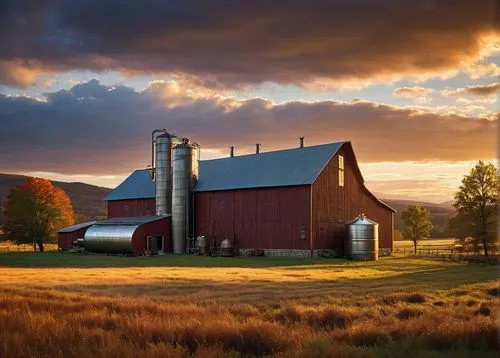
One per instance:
(56, 259)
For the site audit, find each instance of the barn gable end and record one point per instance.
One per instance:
(333, 204)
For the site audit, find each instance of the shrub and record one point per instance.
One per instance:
(257, 340)
(369, 337)
(483, 310)
(495, 291)
(289, 314)
(471, 303)
(329, 318)
(408, 313)
(390, 300)
(415, 298)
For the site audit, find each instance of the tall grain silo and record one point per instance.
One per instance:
(185, 175)
(164, 145)
(361, 240)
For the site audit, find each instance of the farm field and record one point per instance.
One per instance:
(62, 305)
(426, 244)
(6, 246)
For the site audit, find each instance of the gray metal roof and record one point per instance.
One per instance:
(298, 166)
(131, 220)
(76, 227)
(138, 185)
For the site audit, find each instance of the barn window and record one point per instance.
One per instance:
(341, 170)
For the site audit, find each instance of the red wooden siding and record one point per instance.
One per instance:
(265, 218)
(334, 205)
(65, 239)
(131, 207)
(156, 228)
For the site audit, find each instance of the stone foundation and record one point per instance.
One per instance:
(384, 252)
(301, 253)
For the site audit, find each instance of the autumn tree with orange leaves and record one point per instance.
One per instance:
(35, 211)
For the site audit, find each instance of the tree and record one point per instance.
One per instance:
(35, 211)
(418, 224)
(476, 203)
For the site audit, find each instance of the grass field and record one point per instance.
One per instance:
(7, 246)
(426, 244)
(61, 305)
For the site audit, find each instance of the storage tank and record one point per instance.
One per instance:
(185, 175)
(203, 245)
(361, 241)
(164, 145)
(227, 248)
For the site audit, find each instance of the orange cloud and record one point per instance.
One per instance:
(415, 91)
(313, 43)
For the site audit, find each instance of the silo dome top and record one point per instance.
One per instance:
(361, 220)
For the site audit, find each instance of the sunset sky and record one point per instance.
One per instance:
(412, 84)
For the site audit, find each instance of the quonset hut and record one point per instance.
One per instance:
(287, 202)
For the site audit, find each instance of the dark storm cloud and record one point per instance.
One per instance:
(479, 90)
(242, 42)
(97, 129)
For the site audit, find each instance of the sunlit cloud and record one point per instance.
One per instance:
(415, 91)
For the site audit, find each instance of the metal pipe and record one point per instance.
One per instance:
(157, 130)
(257, 148)
(231, 151)
(301, 140)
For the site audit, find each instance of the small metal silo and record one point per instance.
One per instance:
(185, 175)
(164, 145)
(361, 240)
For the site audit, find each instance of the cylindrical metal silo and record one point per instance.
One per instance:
(185, 175)
(163, 172)
(361, 240)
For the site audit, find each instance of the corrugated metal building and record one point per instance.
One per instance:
(287, 202)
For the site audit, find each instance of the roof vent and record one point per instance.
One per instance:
(257, 148)
(301, 142)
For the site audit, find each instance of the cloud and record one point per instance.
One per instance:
(480, 90)
(423, 100)
(466, 101)
(415, 91)
(99, 129)
(246, 42)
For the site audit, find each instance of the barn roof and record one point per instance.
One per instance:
(76, 227)
(298, 166)
(131, 220)
(138, 185)
(288, 167)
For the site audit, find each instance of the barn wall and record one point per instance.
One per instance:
(264, 218)
(65, 239)
(131, 207)
(155, 228)
(334, 205)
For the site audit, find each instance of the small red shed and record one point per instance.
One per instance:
(66, 236)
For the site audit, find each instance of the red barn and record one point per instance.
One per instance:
(66, 236)
(286, 202)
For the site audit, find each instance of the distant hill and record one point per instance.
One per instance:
(87, 199)
(440, 214)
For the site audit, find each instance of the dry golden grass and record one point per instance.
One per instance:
(8, 246)
(341, 309)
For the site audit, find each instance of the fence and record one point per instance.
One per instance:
(451, 255)
(25, 248)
